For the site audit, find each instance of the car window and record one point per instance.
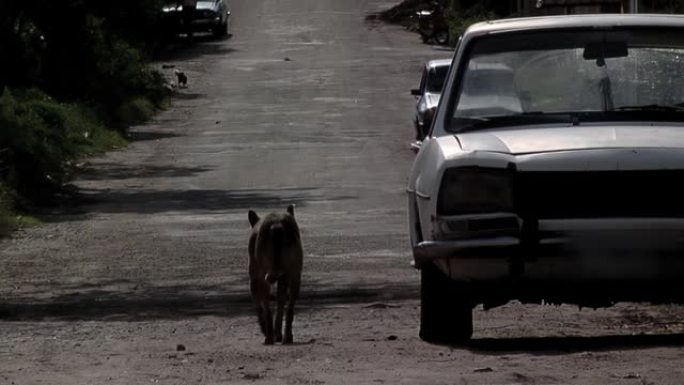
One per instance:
(423, 80)
(488, 89)
(436, 77)
(594, 72)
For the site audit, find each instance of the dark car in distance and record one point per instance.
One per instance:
(206, 16)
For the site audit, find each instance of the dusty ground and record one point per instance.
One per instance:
(145, 281)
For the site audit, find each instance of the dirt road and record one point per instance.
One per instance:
(307, 103)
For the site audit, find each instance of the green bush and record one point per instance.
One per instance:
(7, 223)
(460, 21)
(89, 56)
(40, 139)
(134, 111)
(121, 84)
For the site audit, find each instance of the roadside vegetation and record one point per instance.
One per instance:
(459, 14)
(74, 75)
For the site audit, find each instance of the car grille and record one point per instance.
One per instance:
(547, 195)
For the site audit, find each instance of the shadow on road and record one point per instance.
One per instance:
(142, 136)
(187, 95)
(180, 302)
(83, 202)
(157, 201)
(111, 171)
(181, 48)
(564, 345)
(117, 171)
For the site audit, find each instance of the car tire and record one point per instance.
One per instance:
(419, 132)
(446, 316)
(221, 29)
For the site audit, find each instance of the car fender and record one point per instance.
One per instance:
(424, 181)
(435, 156)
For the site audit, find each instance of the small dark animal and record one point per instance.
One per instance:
(275, 256)
(182, 78)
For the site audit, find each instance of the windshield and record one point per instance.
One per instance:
(592, 74)
(436, 77)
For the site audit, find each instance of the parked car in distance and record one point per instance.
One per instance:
(208, 16)
(431, 82)
(551, 172)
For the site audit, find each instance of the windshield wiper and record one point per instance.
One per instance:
(652, 107)
(463, 123)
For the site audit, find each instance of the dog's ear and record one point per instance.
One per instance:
(253, 217)
(290, 209)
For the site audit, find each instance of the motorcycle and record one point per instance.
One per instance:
(432, 26)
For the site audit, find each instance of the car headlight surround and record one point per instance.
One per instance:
(475, 190)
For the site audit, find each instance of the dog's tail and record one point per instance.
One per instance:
(277, 234)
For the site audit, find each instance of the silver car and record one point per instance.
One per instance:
(428, 93)
(552, 171)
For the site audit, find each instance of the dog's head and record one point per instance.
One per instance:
(277, 233)
(254, 217)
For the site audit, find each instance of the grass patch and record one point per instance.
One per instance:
(135, 111)
(24, 221)
(7, 221)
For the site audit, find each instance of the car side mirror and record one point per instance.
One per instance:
(415, 92)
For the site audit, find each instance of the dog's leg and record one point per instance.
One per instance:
(294, 293)
(282, 297)
(268, 316)
(262, 318)
(257, 296)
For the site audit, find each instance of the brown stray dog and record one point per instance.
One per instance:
(275, 255)
(182, 79)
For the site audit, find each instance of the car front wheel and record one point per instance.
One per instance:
(221, 29)
(446, 315)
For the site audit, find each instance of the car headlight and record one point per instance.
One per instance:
(474, 190)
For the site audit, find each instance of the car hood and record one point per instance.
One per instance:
(536, 140)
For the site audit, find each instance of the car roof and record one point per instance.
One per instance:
(577, 21)
(438, 63)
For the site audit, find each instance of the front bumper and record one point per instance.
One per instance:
(206, 22)
(558, 249)
(427, 251)
(200, 21)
